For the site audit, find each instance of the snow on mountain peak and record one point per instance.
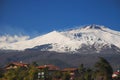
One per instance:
(93, 26)
(94, 34)
(71, 40)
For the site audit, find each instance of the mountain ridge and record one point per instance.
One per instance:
(71, 40)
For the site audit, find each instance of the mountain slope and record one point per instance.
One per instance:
(72, 40)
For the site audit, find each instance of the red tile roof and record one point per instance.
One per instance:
(17, 64)
(69, 69)
(116, 73)
(50, 67)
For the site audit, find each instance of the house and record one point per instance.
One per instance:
(46, 70)
(72, 71)
(15, 65)
(116, 74)
(51, 68)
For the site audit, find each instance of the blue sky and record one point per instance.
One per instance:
(35, 17)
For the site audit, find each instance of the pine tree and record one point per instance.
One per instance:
(103, 69)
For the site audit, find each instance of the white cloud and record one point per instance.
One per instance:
(10, 39)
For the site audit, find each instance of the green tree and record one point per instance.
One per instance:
(32, 73)
(66, 76)
(34, 64)
(88, 74)
(103, 69)
(1, 73)
(16, 74)
(81, 70)
(10, 75)
(21, 73)
(84, 73)
(57, 75)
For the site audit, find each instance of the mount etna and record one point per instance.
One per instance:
(66, 48)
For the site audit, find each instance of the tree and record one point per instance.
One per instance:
(34, 64)
(66, 76)
(1, 73)
(10, 75)
(103, 69)
(88, 74)
(85, 73)
(16, 74)
(57, 75)
(81, 70)
(21, 73)
(32, 73)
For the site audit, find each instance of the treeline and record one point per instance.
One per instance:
(102, 71)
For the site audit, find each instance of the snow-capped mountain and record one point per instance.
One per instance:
(71, 40)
